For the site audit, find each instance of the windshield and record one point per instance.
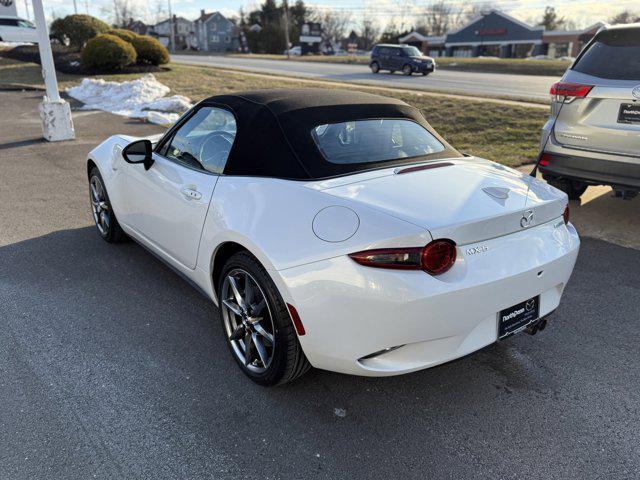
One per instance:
(614, 55)
(411, 52)
(368, 141)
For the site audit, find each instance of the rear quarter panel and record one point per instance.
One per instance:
(273, 219)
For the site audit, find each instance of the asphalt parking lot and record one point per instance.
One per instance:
(112, 366)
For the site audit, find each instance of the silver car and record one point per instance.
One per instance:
(596, 112)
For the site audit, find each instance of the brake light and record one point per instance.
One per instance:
(438, 256)
(435, 258)
(545, 160)
(567, 89)
(565, 214)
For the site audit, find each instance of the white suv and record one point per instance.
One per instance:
(15, 29)
(596, 138)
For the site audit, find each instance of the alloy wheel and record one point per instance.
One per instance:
(99, 205)
(247, 320)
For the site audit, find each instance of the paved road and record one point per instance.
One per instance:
(524, 87)
(111, 366)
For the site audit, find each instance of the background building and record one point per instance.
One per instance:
(183, 32)
(496, 34)
(215, 33)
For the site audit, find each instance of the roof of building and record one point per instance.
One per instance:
(274, 130)
(595, 26)
(418, 37)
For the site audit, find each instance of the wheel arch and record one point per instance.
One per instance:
(220, 256)
(227, 248)
(91, 164)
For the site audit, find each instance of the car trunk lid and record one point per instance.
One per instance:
(603, 120)
(466, 201)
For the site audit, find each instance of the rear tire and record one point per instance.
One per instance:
(572, 188)
(424, 74)
(103, 215)
(375, 67)
(407, 70)
(276, 360)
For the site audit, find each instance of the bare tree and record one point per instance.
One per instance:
(369, 32)
(122, 11)
(335, 24)
(625, 17)
(159, 11)
(441, 16)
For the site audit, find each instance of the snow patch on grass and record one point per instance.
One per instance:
(143, 98)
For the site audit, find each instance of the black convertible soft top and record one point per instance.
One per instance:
(274, 130)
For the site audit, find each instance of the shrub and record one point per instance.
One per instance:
(150, 50)
(78, 29)
(126, 35)
(107, 52)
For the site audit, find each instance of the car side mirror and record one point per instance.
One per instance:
(139, 151)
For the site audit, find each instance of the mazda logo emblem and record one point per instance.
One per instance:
(636, 91)
(527, 218)
(529, 305)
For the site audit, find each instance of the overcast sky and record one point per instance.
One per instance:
(581, 13)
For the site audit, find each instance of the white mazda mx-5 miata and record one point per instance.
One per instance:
(338, 230)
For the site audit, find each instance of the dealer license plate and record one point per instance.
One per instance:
(515, 319)
(629, 113)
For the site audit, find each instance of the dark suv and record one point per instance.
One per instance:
(405, 58)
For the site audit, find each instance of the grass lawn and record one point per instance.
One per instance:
(504, 133)
(487, 65)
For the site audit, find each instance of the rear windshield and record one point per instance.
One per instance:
(614, 55)
(369, 141)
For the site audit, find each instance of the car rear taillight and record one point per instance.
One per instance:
(438, 256)
(435, 258)
(545, 160)
(565, 214)
(567, 89)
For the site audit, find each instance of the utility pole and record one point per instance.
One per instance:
(75, 7)
(172, 33)
(286, 28)
(55, 113)
(26, 7)
(117, 14)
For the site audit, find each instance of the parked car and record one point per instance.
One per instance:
(596, 137)
(404, 58)
(294, 51)
(337, 229)
(16, 29)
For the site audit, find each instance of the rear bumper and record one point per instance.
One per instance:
(594, 171)
(591, 167)
(351, 312)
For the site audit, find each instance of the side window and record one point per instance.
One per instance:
(204, 141)
(8, 22)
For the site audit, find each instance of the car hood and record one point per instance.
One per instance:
(466, 200)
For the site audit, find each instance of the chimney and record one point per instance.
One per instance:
(202, 13)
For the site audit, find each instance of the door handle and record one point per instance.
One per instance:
(191, 193)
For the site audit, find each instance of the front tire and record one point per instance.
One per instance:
(257, 325)
(103, 215)
(407, 70)
(572, 188)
